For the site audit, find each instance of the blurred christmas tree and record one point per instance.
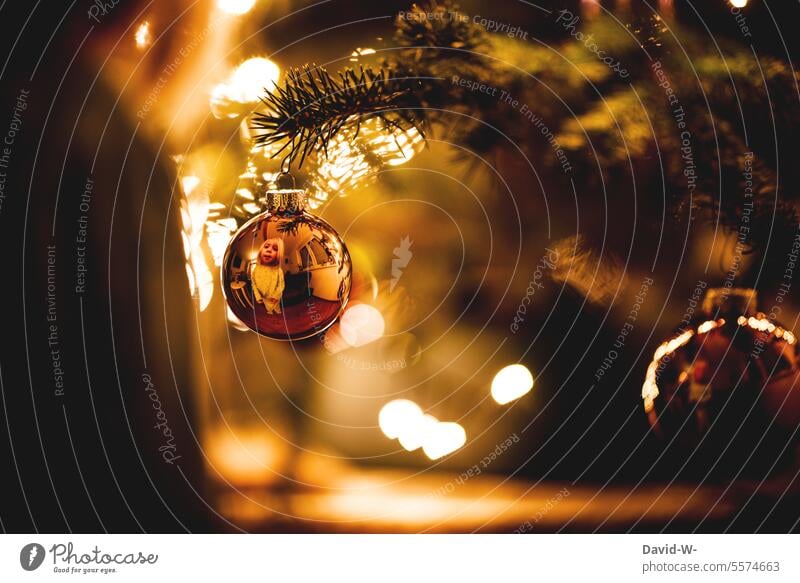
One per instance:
(675, 124)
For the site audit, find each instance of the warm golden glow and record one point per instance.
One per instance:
(361, 324)
(738, 3)
(222, 107)
(397, 416)
(252, 78)
(511, 383)
(243, 88)
(142, 35)
(189, 183)
(236, 7)
(442, 439)
(245, 456)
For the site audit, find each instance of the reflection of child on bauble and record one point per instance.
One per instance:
(267, 275)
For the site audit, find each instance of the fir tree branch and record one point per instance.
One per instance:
(313, 106)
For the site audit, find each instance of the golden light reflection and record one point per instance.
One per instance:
(738, 3)
(359, 52)
(443, 438)
(235, 322)
(236, 7)
(511, 383)
(361, 324)
(397, 416)
(142, 36)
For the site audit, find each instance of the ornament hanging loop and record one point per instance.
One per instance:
(285, 181)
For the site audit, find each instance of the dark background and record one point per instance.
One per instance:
(86, 461)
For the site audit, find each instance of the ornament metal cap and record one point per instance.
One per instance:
(291, 200)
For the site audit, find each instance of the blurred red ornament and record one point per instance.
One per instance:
(725, 381)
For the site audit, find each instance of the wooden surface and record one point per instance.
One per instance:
(381, 501)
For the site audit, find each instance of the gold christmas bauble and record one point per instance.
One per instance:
(286, 273)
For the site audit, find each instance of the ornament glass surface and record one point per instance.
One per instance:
(286, 274)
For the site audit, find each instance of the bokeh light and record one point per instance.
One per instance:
(443, 438)
(251, 78)
(397, 415)
(142, 35)
(511, 383)
(361, 324)
(243, 87)
(416, 433)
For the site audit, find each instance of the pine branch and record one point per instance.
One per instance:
(439, 25)
(313, 106)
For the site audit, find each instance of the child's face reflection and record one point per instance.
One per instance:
(268, 255)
